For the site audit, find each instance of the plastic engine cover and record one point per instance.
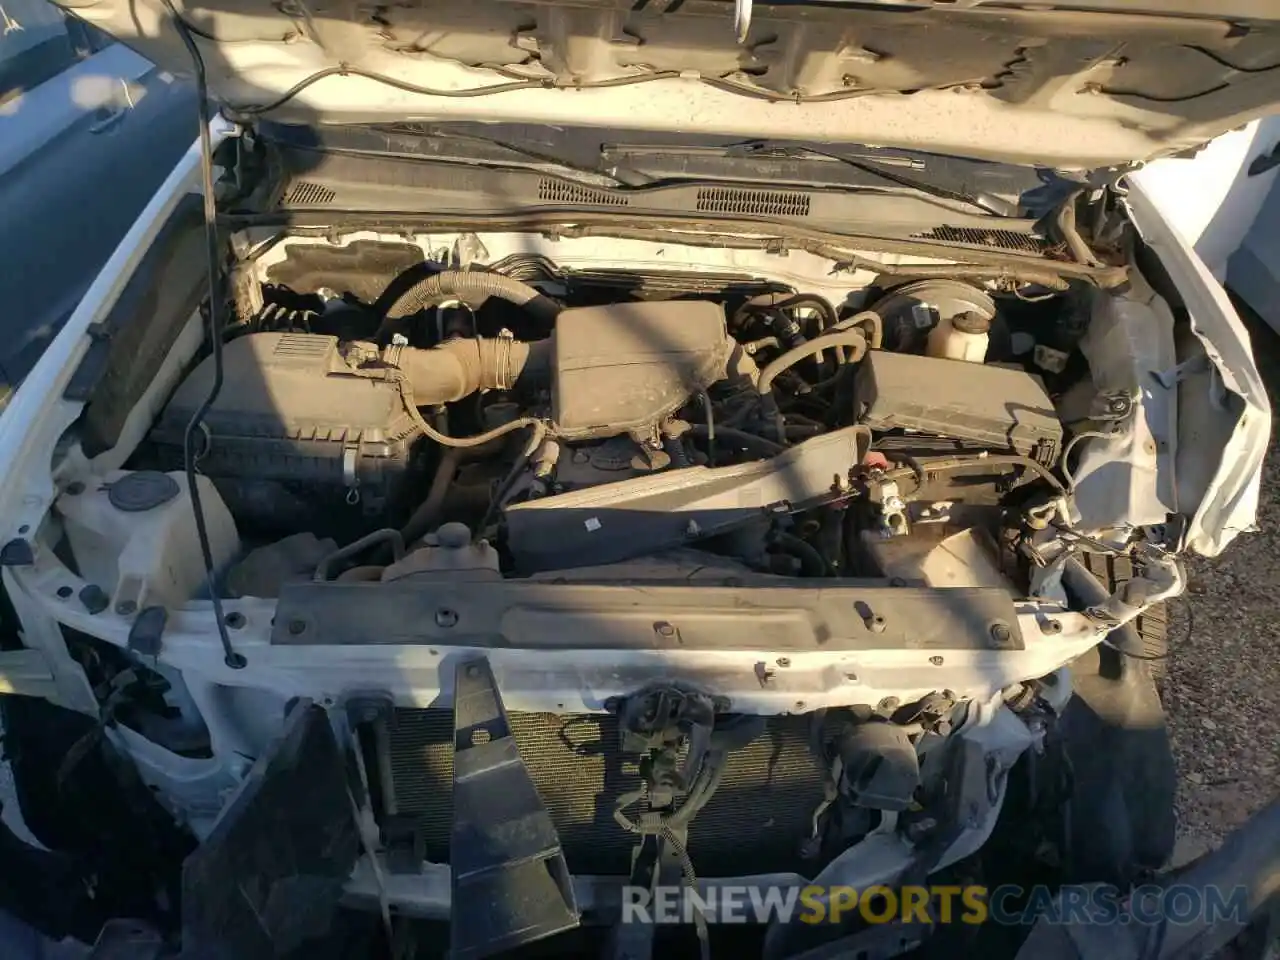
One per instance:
(1001, 408)
(623, 367)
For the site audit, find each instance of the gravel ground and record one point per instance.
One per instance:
(1221, 696)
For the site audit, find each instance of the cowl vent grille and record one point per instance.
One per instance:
(1002, 239)
(560, 191)
(308, 194)
(773, 203)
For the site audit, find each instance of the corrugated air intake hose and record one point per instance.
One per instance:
(421, 286)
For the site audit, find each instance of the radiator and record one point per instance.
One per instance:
(754, 823)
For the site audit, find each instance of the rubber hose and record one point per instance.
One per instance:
(1066, 223)
(674, 447)
(422, 519)
(756, 444)
(864, 319)
(458, 368)
(385, 535)
(366, 574)
(705, 399)
(811, 562)
(479, 439)
(842, 338)
(1090, 591)
(419, 287)
(939, 464)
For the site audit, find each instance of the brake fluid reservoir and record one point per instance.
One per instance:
(962, 337)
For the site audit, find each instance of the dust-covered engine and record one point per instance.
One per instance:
(765, 427)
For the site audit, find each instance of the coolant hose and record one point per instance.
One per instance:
(837, 338)
(419, 287)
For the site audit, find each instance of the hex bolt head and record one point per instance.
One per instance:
(446, 618)
(784, 661)
(936, 661)
(297, 626)
(1001, 634)
(664, 629)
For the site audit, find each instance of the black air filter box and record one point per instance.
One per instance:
(998, 407)
(289, 427)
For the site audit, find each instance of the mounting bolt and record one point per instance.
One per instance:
(1051, 627)
(936, 661)
(446, 618)
(1001, 635)
(94, 598)
(297, 626)
(784, 661)
(125, 607)
(664, 629)
(876, 624)
(234, 620)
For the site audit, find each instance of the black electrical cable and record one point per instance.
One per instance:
(719, 83)
(234, 660)
(1223, 61)
(346, 70)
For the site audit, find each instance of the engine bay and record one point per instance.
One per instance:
(385, 416)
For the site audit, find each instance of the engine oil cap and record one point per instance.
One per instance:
(143, 490)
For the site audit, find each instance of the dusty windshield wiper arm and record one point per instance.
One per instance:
(582, 172)
(769, 148)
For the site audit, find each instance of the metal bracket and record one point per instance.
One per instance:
(511, 885)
